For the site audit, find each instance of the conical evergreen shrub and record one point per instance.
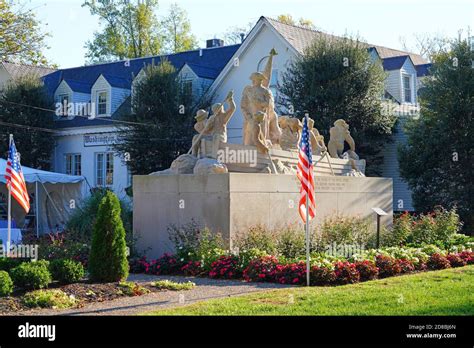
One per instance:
(108, 257)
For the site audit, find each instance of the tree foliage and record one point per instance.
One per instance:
(108, 257)
(35, 145)
(160, 102)
(21, 38)
(177, 31)
(437, 161)
(335, 78)
(302, 22)
(131, 29)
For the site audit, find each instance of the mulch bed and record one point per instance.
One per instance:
(84, 292)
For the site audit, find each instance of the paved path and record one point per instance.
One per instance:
(205, 289)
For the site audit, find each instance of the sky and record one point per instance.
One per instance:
(381, 22)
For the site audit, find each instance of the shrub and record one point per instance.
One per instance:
(467, 256)
(59, 246)
(346, 273)
(83, 219)
(32, 275)
(257, 238)
(342, 230)
(322, 276)
(293, 273)
(438, 261)
(8, 263)
(132, 289)
(195, 244)
(192, 268)
(262, 269)
(169, 285)
(245, 256)
(66, 271)
(455, 260)
(108, 257)
(291, 243)
(226, 267)
(6, 284)
(387, 265)
(367, 270)
(49, 299)
(435, 227)
(165, 265)
(400, 231)
(406, 266)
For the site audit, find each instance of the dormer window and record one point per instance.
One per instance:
(63, 99)
(102, 103)
(407, 90)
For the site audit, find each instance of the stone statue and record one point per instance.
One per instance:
(259, 98)
(257, 137)
(214, 126)
(317, 140)
(338, 135)
(201, 119)
(217, 123)
(290, 132)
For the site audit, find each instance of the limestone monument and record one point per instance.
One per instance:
(229, 195)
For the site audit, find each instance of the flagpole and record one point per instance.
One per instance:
(9, 227)
(307, 240)
(307, 223)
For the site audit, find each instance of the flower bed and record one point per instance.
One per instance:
(371, 265)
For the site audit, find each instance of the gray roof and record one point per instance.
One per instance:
(301, 38)
(17, 71)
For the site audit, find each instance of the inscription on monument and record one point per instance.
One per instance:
(330, 183)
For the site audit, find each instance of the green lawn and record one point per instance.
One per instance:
(447, 292)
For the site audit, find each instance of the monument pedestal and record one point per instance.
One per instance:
(231, 203)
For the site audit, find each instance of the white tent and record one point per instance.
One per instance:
(58, 194)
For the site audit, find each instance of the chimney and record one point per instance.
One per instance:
(242, 37)
(214, 43)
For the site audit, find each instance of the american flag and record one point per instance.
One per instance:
(15, 180)
(305, 174)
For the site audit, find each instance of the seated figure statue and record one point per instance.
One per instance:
(317, 140)
(338, 135)
(291, 129)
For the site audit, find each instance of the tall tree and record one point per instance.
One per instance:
(233, 35)
(131, 30)
(21, 38)
(164, 112)
(35, 144)
(177, 31)
(335, 78)
(438, 161)
(426, 45)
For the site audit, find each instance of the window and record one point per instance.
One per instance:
(73, 164)
(187, 86)
(63, 99)
(407, 88)
(104, 169)
(102, 103)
